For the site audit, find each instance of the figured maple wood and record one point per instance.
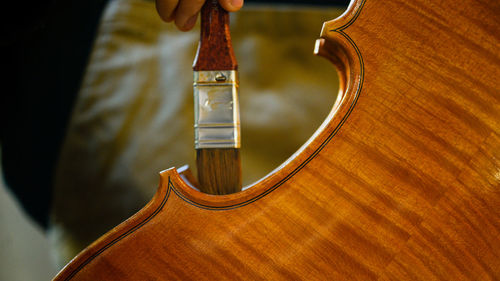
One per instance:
(402, 181)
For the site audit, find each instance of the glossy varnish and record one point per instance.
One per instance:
(402, 182)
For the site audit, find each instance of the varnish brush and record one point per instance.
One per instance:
(217, 120)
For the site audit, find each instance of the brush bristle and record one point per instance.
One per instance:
(219, 170)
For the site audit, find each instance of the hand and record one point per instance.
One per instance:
(185, 12)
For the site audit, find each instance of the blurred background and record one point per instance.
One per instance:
(102, 102)
(24, 248)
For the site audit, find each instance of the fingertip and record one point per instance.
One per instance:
(162, 15)
(169, 19)
(188, 25)
(165, 9)
(231, 5)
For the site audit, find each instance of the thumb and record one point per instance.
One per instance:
(231, 5)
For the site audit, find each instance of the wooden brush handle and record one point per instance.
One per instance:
(215, 50)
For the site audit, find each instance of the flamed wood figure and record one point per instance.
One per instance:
(402, 181)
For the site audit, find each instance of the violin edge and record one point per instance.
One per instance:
(119, 232)
(343, 53)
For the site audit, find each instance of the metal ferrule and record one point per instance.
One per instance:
(216, 109)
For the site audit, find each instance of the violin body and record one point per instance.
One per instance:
(401, 182)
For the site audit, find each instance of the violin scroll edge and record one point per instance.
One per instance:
(337, 47)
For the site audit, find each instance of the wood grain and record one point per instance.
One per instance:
(402, 182)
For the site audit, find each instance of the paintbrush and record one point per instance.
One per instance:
(217, 120)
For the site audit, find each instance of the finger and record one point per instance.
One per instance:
(166, 9)
(190, 23)
(187, 13)
(231, 5)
